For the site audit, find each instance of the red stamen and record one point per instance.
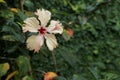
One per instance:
(42, 30)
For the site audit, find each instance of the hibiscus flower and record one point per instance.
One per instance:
(33, 24)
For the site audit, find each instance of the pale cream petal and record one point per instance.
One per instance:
(31, 25)
(51, 41)
(55, 27)
(35, 42)
(44, 16)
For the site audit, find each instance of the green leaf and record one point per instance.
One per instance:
(74, 7)
(111, 76)
(94, 72)
(22, 15)
(60, 78)
(19, 37)
(78, 77)
(8, 37)
(12, 48)
(24, 65)
(15, 31)
(7, 29)
(27, 78)
(70, 57)
(7, 14)
(99, 1)
(28, 4)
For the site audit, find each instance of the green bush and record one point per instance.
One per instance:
(92, 53)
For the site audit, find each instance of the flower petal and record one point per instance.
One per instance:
(51, 41)
(55, 27)
(35, 42)
(44, 16)
(31, 25)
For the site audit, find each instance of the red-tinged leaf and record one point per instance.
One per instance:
(70, 32)
(50, 76)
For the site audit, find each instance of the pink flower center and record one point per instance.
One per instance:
(42, 30)
(56, 28)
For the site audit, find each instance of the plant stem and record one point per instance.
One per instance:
(21, 5)
(40, 71)
(55, 62)
(7, 58)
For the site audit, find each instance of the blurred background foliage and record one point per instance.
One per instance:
(91, 52)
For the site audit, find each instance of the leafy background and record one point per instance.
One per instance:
(92, 53)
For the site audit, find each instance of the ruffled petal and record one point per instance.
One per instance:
(35, 42)
(51, 41)
(44, 16)
(31, 25)
(55, 27)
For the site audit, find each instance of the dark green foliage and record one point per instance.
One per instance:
(92, 53)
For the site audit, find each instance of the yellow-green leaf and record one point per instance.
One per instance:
(2, 1)
(4, 68)
(99, 1)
